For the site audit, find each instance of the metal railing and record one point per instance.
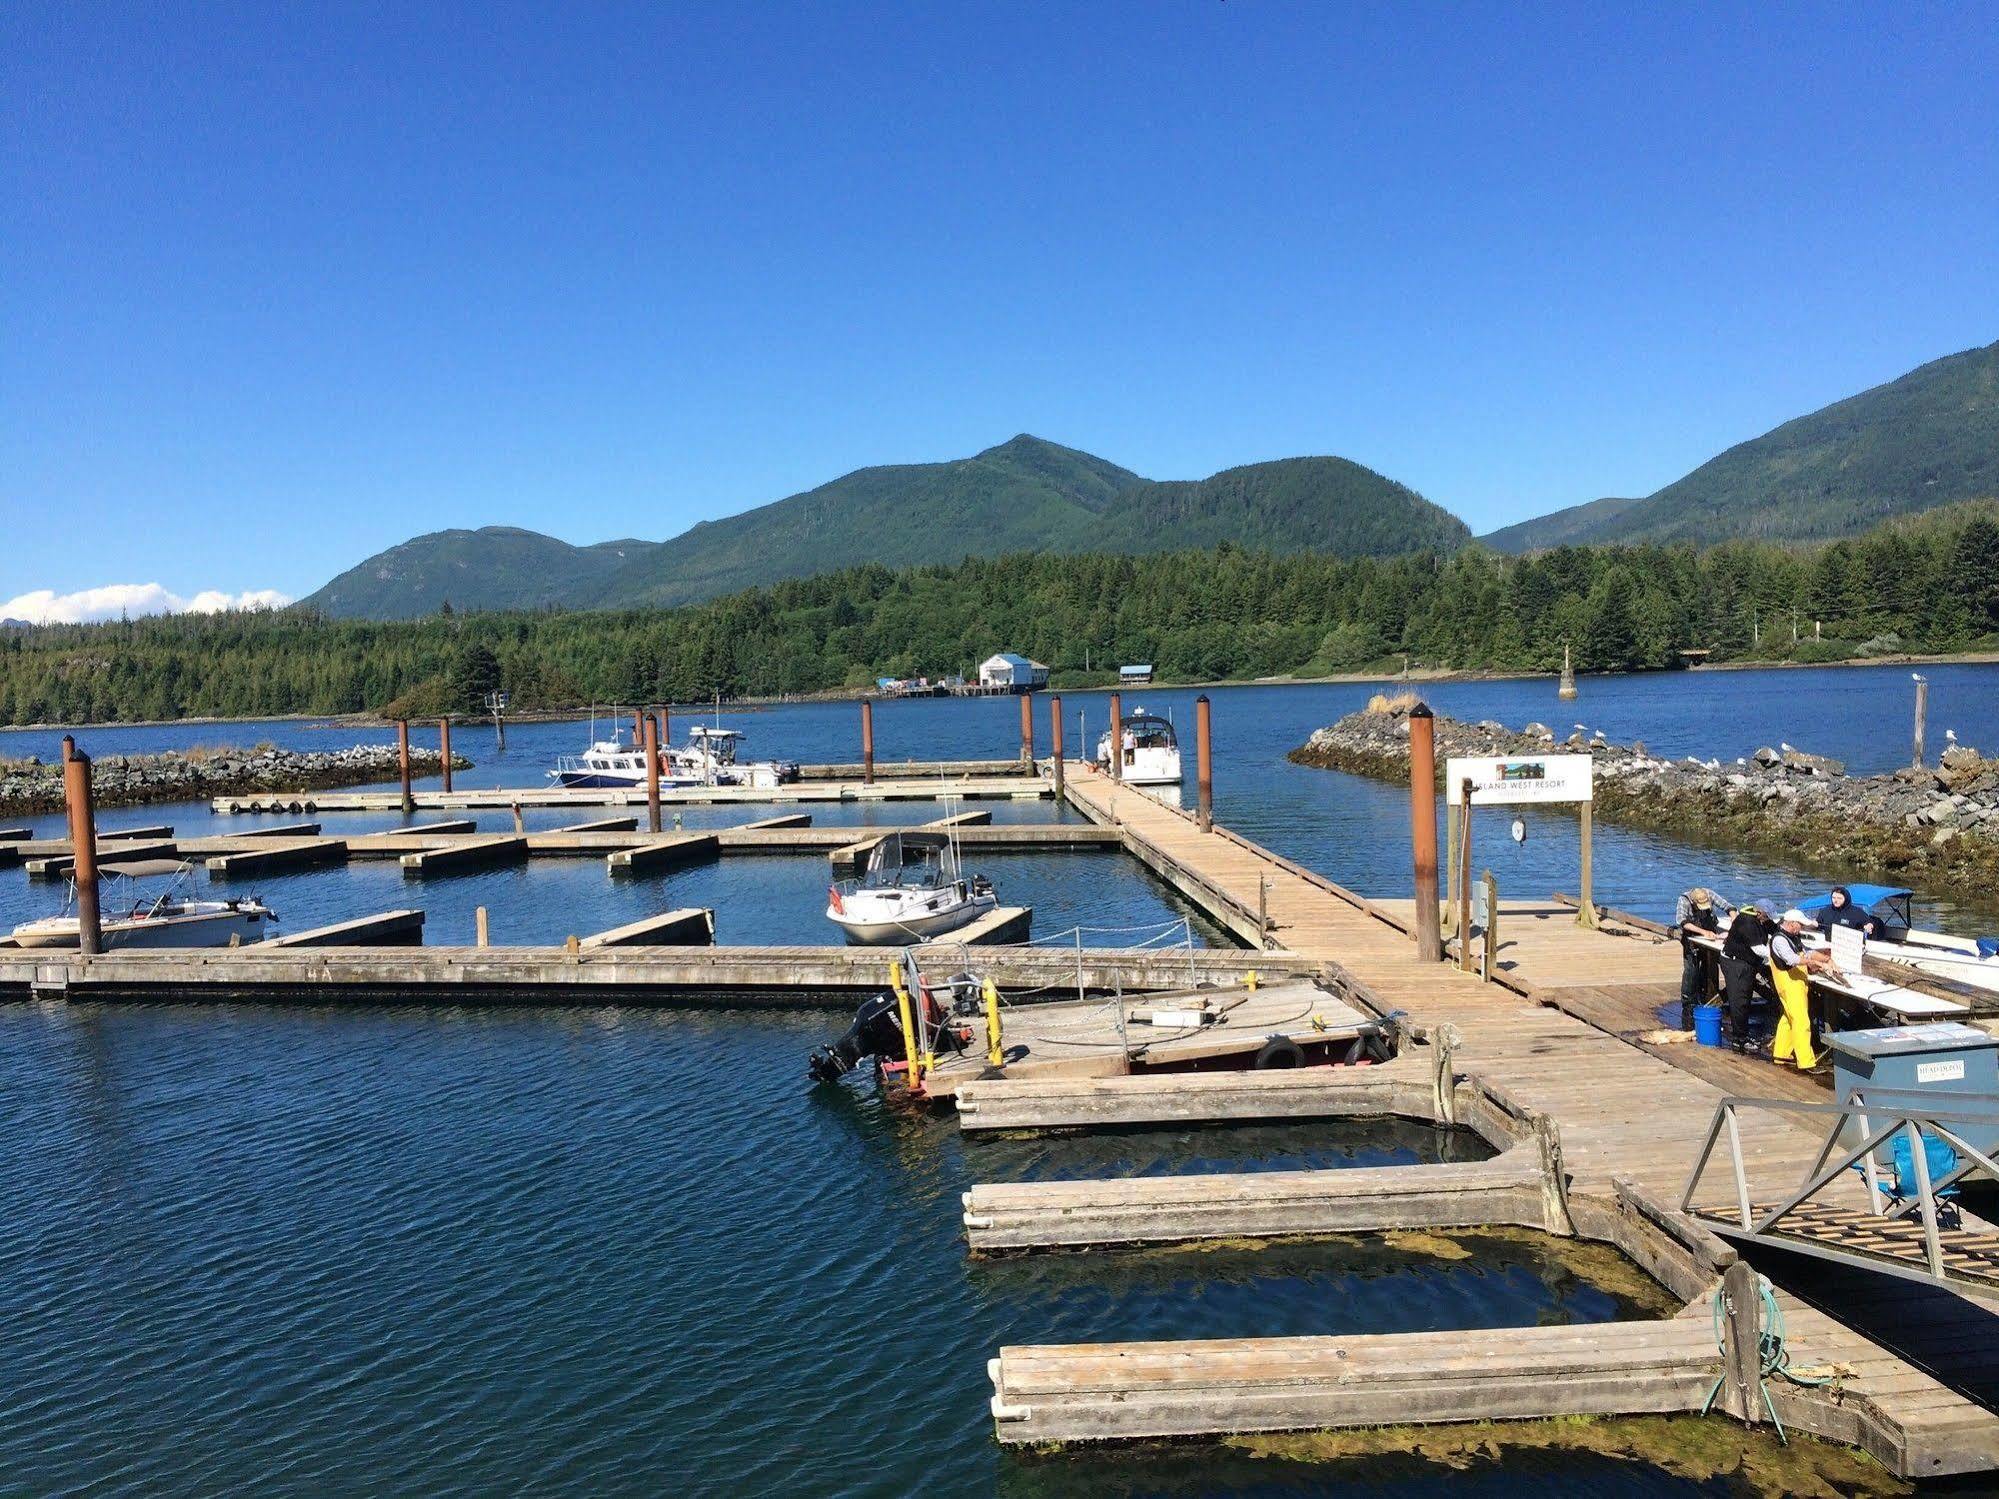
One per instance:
(1858, 1131)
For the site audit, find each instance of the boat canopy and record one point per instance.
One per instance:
(1885, 900)
(908, 858)
(145, 869)
(1149, 729)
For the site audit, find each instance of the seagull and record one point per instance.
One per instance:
(1784, 745)
(1950, 736)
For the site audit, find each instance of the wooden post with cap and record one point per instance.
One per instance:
(1117, 736)
(1204, 765)
(1055, 741)
(1423, 828)
(444, 748)
(867, 742)
(403, 763)
(1026, 729)
(78, 796)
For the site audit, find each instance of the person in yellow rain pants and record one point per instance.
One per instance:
(1791, 968)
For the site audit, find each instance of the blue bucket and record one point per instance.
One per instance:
(1707, 1024)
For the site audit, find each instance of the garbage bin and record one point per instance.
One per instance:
(1945, 1063)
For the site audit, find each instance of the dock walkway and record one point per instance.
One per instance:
(1623, 1114)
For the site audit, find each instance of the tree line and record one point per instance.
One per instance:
(1928, 584)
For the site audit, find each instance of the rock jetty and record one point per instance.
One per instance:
(1934, 828)
(135, 780)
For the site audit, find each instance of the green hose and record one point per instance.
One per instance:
(1773, 1356)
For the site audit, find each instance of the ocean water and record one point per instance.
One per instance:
(326, 1250)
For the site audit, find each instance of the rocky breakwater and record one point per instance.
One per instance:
(1934, 828)
(135, 780)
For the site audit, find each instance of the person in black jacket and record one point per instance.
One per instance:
(1739, 963)
(1698, 914)
(1841, 911)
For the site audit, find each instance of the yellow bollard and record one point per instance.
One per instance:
(995, 1053)
(1249, 981)
(913, 1078)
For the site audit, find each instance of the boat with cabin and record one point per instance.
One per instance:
(134, 917)
(616, 764)
(1149, 750)
(912, 889)
(713, 757)
(1888, 909)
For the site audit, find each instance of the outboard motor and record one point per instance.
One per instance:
(876, 1032)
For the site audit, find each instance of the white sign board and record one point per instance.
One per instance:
(1849, 949)
(1498, 779)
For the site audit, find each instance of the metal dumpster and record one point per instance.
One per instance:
(1943, 1063)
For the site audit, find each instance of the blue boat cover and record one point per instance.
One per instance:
(1867, 897)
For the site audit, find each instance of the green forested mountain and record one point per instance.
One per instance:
(1930, 438)
(1024, 495)
(1925, 583)
(1571, 527)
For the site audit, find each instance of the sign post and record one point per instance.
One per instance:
(1502, 780)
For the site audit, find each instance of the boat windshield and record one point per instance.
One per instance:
(909, 860)
(1142, 731)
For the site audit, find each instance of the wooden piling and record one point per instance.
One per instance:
(83, 843)
(1423, 828)
(1055, 741)
(403, 763)
(1462, 876)
(867, 742)
(483, 932)
(1026, 729)
(651, 737)
(1922, 715)
(1117, 736)
(1204, 764)
(444, 749)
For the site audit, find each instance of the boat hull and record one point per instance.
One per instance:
(207, 929)
(871, 930)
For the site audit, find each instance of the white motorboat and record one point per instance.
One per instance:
(1887, 911)
(1149, 750)
(614, 764)
(132, 919)
(713, 757)
(913, 889)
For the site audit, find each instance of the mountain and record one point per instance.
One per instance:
(1026, 495)
(494, 567)
(1561, 528)
(1930, 438)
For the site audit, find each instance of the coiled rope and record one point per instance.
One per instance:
(1773, 1355)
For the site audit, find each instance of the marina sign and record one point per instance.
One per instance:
(1497, 779)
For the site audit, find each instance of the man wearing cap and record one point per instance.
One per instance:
(1695, 916)
(1791, 968)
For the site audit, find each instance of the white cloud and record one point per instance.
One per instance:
(44, 606)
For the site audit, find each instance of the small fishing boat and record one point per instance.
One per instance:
(1967, 960)
(713, 757)
(1150, 751)
(912, 889)
(132, 918)
(615, 764)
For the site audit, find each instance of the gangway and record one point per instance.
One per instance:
(1851, 1205)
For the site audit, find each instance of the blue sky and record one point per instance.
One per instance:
(283, 285)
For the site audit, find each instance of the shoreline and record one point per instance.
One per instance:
(1424, 675)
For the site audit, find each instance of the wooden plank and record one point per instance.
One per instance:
(662, 853)
(386, 929)
(693, 926)
(1002, 924)
(284, 853)
(468, 853)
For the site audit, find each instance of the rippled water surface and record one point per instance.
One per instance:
(301, 1251)
(305, 1251)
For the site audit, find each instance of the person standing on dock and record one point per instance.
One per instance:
(1791, 968)
(1695, 916)
(1739, 962)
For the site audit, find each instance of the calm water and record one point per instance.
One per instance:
(620, 1251)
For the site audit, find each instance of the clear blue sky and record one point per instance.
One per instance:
(282, 285)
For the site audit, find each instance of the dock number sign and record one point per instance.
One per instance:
(1498, 779)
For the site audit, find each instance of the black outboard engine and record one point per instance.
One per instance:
(876, 1032)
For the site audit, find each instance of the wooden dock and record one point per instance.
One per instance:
(834, 978)
(1630, 1124)
(898, 786)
